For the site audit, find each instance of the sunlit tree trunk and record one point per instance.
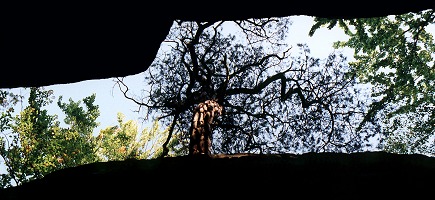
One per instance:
(201, 127)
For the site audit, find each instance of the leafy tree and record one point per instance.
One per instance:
(124, 141)
(34, 143)
(77, 141)
(118, 143)
(26, 154)
(153, 139)
(395, 54)
(8, 101)
(266, 99)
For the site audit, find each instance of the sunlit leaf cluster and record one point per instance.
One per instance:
(33, 143)
(395, 54)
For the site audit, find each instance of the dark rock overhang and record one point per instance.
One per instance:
(56, 43)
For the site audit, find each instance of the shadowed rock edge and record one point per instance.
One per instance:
(328, 174)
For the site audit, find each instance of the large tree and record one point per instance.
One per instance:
(395, 54)
(251, 94)
(33, 144)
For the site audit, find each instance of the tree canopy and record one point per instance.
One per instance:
(275, 98)
(238, 87)
(395, 54)
(33, 143)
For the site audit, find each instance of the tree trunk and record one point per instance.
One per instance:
(201, 127)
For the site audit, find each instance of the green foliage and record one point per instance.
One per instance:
(8, 101)
(395, 54)
(124, 141)
(34, 143)
(77, 141)
(28, 156)
(153, 139)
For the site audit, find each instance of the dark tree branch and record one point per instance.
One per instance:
(170, 132)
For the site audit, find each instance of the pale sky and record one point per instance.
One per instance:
(110, 99)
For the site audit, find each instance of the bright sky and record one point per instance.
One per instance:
(111, 100)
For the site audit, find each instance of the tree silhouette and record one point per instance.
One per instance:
(250, 94)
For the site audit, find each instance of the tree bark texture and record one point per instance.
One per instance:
(201, 127)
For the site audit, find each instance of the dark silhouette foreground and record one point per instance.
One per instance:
(44, 43)
(287, 176)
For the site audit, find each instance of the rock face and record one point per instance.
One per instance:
(44, 44)
(285, 176)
